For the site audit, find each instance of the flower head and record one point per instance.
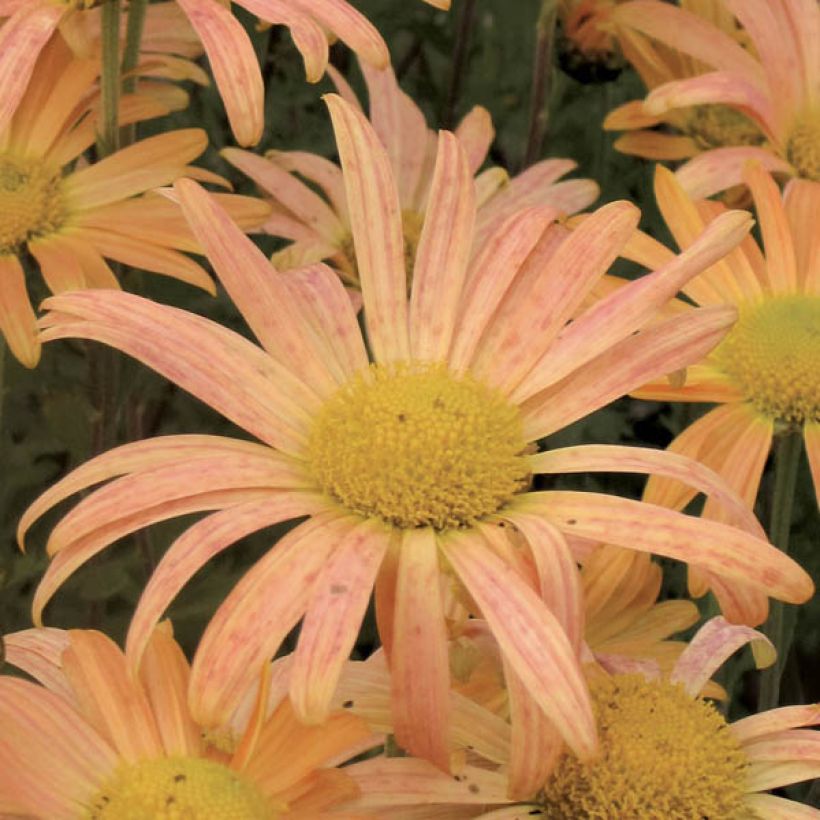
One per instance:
(115, 746)
(72, 220)
(480, 349)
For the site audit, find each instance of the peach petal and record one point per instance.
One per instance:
(375, 217)
(801, 199)
(776, 720)
(530, 638)
(322, 172)
(195, 547)
(215, 364)
(334, 615)
(779, 808)
(811, 437)
(714, 171)
(419, 659)
(656, 146)
(234, 65)
(702, 383)
(646, 354)
(630, 115)
(475, 132)
(17, 320)
(739, 603)
(262, 608)
(782, 759)
(39, 652)
(444, 245)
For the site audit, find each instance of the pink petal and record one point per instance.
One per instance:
(782, 759)
(801, 199)
(776, 720)
(322, 172)
(39, 652)
(714, 171)
(475, 132)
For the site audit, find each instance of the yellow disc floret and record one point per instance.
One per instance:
(178, 788)
(30, 201)
(416, 446)
(664, 756)
(773, 355)
(717, 126)
(803, 147)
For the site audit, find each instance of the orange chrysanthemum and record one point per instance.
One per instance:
(409, 466)
(71, 220)
(92, 741)
(760, 103)
(320, 226)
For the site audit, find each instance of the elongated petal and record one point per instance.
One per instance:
(714, 642)
(779, 808)
(148, 163)
(419, 659)
(475, 132)
(783, 758)
(530, 638)
(445, 244)
(216, 365)
(333, 618)
(721, 549)
(195, 547)
(317, 169)
(375, 218)
(721, 168)
(656, 146)
(262, 608)
(646, 354)
(234, 65)
(17, 320)
(39, 652)
(775, 720)
(811, 436)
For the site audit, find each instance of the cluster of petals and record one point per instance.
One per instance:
(320, 225)
(500, 313)
(775, 84)
(99, 211)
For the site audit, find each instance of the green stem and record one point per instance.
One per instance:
(787, 460)
(133, 39)
(108, 133)
(541, 80)
(463, 31)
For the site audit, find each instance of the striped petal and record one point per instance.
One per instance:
(714, 171)
(17, 320)
(776, 720)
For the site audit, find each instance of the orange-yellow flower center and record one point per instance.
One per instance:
(416, 446)
(663, 755)
(173, 788)
(803, 147)
(773, 355)
(30, 201)
(715, 126)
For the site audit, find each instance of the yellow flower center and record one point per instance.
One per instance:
(663, 755)
(715, 126)
(803, 148)
(773, 355)
(30, 201)
(178, 788)
(416, 446)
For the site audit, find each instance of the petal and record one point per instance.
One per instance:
(39, 652)
(234, 65)
(530, 638)
(334, 616)
(195, 547)
(779, 808)
(322, 172)
(475, 132)
(656, 146)
(17, 320)
(776, 720)
(419, 659)
(801, 199)
(445, 244)
(714, 171)
(375, 218)
(781, 759)
(811, 436)
(262, 608)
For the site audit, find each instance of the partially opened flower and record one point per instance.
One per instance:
(115, 746)
(320, 225)
(408, 467)
(588, 48)
(665, 752)
(775, 86)
(230, 51)
(72, 220)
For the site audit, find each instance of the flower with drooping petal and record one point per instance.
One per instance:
(665, 752)
(406, 465)
(320, 225)
(230, 52)
(71, 221)
(89, 740)
(775, 87)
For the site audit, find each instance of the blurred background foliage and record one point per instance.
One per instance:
(57, 416)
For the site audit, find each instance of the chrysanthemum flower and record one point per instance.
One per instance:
(665, 752)
(406, 465)
(320, 225)
(71, 220)
(230, 52)
(775, 87)
(92, 741)
(588, 49)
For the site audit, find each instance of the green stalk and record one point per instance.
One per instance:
(108, 133)
(133, 39)
(541, 80)
(787, 460)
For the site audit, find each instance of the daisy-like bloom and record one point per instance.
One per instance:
(230, 52)
(665, 752)
(406, 465)
(588, 48)
(319, 224)
(70, 220)
(127, 748)
(775, 88)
